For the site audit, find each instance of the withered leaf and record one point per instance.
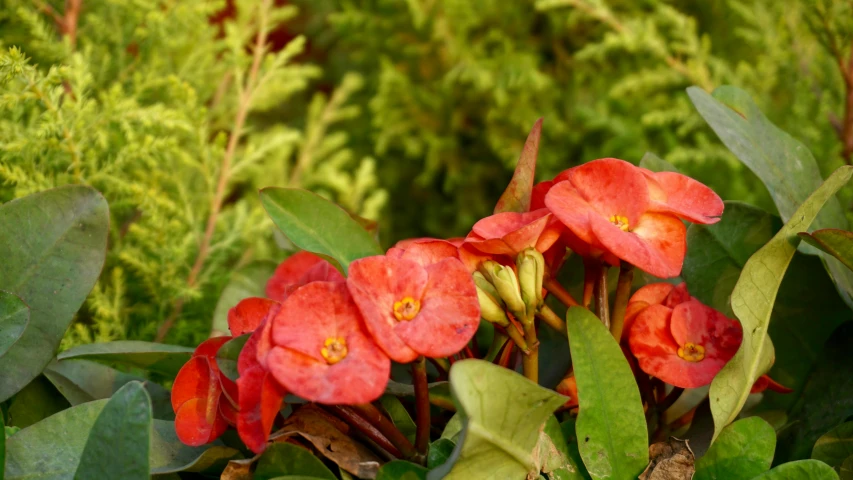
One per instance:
(669, 460)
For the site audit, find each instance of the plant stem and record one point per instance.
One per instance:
(552, 319)
(517, 337)
(530, 358)
(419, 379)
(346, 414)
(506, 353)
(557, 290)
(602, 306)
(590, 274)
(244, 102)
(620, 303)
(387, 428)
(498, 341)
(670, 399)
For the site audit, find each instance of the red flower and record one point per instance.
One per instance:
(204, 399)
(297, 270)
(569, 387)
(412, 308)
(682, 196)
(764, 382)
(425, 250)
(319, 350)
(509, 233)
(686, 345)
(665, 294)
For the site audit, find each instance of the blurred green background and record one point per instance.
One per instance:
(408, 112)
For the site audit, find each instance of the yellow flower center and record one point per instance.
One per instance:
(692, 352)
(620, 221)
(334, 350)
(407, 308)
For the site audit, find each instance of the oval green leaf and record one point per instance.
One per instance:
(288, 461)
(317, 225)
(516, 197)
(439, 451)
(752, 302)
(118, 443)
(53, 247)
(800, 470)
(835, 446)
(14, 317)
(838, 243)
(743, 450)
(504, 413)
(611, 425)
(401, 470)
(399, 416)
(154, 357)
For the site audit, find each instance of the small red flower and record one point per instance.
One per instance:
(204, 399)
(319, 350)
(413, 309)
(297, 270)
(509, 233)
(686, 345)
(665, 294)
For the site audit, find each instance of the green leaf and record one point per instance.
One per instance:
(554, 456)
(743, 450)
(800, 470)
(51, 449)
(2, 446)
(504, 413)
(14, 317)
(248, 281)
(284, 459)
(439, 451)
(118, 443)
(401, 470)
(835, 446)
(37, 401)
(654, 163)
(226, 357)
(317, 225)
(569, 434)
(53, 246)
(752, 302)
(155, 357)
(838, 243)
(82, 381)
(846, 471)
(611, 425)
(399, 416)
(784, 164)
(516, 197)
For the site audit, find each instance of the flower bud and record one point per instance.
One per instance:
(506, 284)
(484, 284)
(491, 309)
(531, 269)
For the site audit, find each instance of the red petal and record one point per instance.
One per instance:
(261, 398)
(656, 245)
(228, 412)
(634, 309)
(572, 210)
(537, 196)
(687, 198)
(209, 347)
(194, 380)
(198, 422)
(288, 273)
(248, 314)
(612, 187)
(449, 315)
(428, 251)
(652, 294)
(376, 283)
(702, 325)
(472, 258)
(509, 233)
(314, 313)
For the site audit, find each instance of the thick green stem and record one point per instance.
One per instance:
(620, 303)
(530, 359)
(602, 304)
(517, 337)
(557, 290)
(419, 379)
(387, 428)
(552, 319)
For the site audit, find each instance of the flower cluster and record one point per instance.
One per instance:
(326, 338)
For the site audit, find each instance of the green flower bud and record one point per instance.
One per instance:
(491, 309)
(484, 284)
(531, 270)
(506, 283)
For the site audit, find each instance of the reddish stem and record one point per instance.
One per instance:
(557, 290)
(348, 415)
(419, 379)
(387, 428)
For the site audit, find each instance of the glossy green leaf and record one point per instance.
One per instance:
(401, 470)
(554, 456)
(14, 317)
(155, 357)
(516, 197)
(286, 460)
(317, 225)
(53, 246)
(752, 302)
(37, 401)
(439, 451)
(827, 400)
(49, 451)
(846, 470)
(743, 450)
(838, 243)
(398, 414)
(118, 443)
(800, 470)
(229, 352)
(835, 446)
(503, 414)
(784, 164)
(248, 281)
(611, 425)
(82, 381)
(654, 163)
